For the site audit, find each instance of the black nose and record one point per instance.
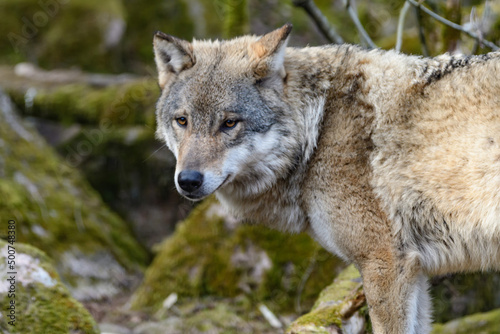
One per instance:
(190, 180)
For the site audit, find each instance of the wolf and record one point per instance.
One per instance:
(389, 161)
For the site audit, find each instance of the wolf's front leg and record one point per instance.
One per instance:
(398, 297)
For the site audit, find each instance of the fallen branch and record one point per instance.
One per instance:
(61, 76)
(321, 21)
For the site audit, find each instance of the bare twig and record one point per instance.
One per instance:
(321, 21)
(401, 24)
(479, 25)
(359, 26)
(453, 25)
(421, 33)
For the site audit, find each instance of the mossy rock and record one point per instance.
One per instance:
(62, 33)
(108, 132)
(134, 174)
(130, 103)
(472, 290)
(341, 307)
(57, 211)
(480, 323)
(37, 301)
(211, 254)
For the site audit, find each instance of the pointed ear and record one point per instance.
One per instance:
(172, 55)
(269, 52)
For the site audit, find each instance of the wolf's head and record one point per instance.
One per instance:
(222, 112)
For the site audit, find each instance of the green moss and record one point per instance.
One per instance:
(201, 258)
(235, 18)
(120, 104)
(210, 22)
(484, 323)
(54, 207)
(220, 317)
(90, 52)
(146, 17)
(112, 135)
(326, 312)
(319, 320)
(210, 315)
(61, 33)
(301, 253)
(179, 267)
(43, 304)
(347, 281)
(471, 290)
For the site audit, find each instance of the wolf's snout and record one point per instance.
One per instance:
(190, 180)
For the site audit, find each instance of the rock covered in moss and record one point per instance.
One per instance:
(212, 254)
(33, 298)
(480, 323)
(104, 125)
(72, 96)
(340, 308)
(55, 210)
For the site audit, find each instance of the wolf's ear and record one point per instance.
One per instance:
(172, 55)
(269, 52)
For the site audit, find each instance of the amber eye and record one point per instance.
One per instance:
(182, 121)
(230, 123)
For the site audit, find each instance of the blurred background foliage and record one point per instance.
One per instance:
(115, 35)
(90, 91)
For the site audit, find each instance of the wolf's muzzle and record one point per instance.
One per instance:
(190, 180)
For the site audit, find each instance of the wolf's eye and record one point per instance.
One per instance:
(182, 121)
(230, 123)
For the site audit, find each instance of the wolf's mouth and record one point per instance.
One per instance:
(194, 197)
(223, 182)
(198, 197)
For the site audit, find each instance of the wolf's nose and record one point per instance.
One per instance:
(190, 180)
